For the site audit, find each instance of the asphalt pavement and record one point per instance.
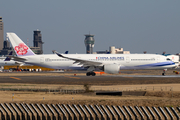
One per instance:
(92, 80)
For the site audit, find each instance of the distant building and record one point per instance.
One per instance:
(36, 50)
(102, 52)
(38, 42)
(7, 49)
(89, 43)
(113, 50)
(1, 33)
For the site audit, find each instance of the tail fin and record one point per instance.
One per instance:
(66, 52)
(8, 58)
(19, 46)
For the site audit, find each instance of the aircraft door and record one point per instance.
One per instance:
(42, 60)
(127, 59)
(158, 59)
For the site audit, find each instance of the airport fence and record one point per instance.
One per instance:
(29, 111)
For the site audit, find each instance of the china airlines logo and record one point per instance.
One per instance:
(21, 49)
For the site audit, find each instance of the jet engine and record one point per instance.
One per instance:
(111, 68)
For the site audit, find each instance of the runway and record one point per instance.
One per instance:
(92, 80)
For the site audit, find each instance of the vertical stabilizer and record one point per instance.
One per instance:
(19, 46)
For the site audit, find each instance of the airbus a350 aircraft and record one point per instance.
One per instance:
(109, 63)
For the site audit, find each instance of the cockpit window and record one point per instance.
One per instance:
(168, 59)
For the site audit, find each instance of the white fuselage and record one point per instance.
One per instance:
(109, 63)
(125, 61)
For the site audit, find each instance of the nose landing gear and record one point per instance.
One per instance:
(90, 73)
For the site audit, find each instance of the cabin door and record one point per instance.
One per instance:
(42, 60)
(158, 59)
(127, 59)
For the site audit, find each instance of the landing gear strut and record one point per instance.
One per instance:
(164, 71)
(90, 73)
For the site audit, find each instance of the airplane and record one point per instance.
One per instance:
(6, 61)
(66, 52)
(109, 63)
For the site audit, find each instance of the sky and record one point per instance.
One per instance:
(135, 25)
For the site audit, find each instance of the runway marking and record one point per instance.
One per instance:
(15, 78)
(17, 98)
(72, 77)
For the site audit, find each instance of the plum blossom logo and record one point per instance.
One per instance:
(21, 49)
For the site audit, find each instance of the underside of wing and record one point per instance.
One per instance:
(83, 62)
(86, 62)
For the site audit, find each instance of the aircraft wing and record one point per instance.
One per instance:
(80, 61)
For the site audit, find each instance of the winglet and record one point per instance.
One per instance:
(58, 54)
(66, 52)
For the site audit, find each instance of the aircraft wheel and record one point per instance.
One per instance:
(88, 74)
(93, 74)
(163, 74)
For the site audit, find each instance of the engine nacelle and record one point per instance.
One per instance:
(111, 68)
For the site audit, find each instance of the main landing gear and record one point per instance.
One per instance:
(164, 71)
(90, 73)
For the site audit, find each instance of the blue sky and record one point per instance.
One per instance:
(135, 25)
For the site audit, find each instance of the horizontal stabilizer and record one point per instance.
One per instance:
(18, 58)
